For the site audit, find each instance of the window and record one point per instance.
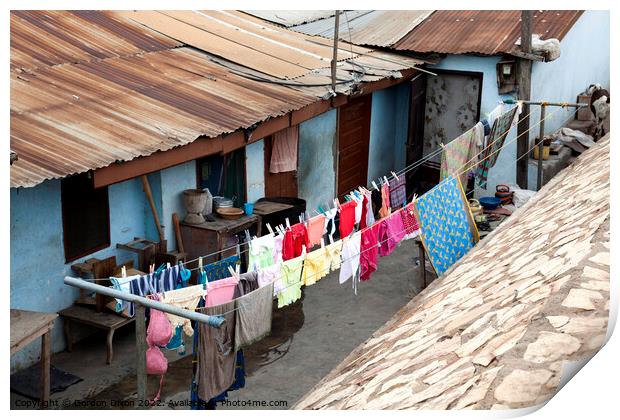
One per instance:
(85, 217)
(224, 175)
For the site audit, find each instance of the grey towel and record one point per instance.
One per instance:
(253, 312)
(216, 358)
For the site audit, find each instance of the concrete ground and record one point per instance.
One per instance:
(308, 339)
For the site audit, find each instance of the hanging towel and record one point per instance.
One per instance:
(253, 312)
(185, 298)
(316, 226)
(149, 284)
(350, 257)
(284, 150)
(391, 232)
(494, 144)
(460, 156)
(216, 355)
(369, 251)
(291, 281)
(448, 229)
(220, 291)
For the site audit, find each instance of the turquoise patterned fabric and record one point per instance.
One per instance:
(219, 270)
(447, 232)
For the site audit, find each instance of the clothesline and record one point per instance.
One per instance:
(402, 172)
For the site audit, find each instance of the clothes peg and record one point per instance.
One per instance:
(152, 268)
(375, 185)
(269, 228)
(238, 249)
(200, 264)
(167, 265)
(238, 268)
(331, 238)
(232, 272)
(395, 176)
(123, 272)
(385, 179)
(288, 224)
(322, 243)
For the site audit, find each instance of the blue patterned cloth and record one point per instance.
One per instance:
(448, 231)
(219, 270)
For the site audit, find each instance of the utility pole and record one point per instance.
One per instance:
(335, 58)
(524, 76)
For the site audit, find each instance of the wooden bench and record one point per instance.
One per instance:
(89, 316)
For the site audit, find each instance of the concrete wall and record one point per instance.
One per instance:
(255, 170)
(316, 172)
(584, 60)
(37, 252)
(389, 126)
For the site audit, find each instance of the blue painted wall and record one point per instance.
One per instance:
(316, 172)
(255, 170)
(389, 126)
(37, 252)
(584, 59)
(174, 181)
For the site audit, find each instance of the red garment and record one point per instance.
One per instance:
(347, 218)
(409, 220)
(369, 251)
(364, 213)
(294, 238)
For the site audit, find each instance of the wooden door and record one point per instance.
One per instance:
(282, 184)
(415, 140)
(353, 144)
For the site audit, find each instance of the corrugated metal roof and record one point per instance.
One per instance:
(380, 28)
(288, 18)
(487, 32)
(45, 38)
(93, 111)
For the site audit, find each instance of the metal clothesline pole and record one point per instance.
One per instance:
(543, 106)
(141, 305)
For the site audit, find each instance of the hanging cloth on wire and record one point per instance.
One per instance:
(448, 228)
(459, 157)
(494, 144)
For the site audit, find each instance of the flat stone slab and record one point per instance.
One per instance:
(550, 346)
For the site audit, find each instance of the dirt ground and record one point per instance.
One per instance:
(308, 339)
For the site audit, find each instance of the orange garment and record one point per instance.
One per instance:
(385, 209)
(316, 227)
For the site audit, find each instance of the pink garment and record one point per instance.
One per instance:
(220, 291)
(369, 251)
(284, 150)
(273, 275)
(316, 226)
(277, 249)
(391, 232)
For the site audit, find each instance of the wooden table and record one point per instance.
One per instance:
(27, 326)
(210, 237)
(265, 207)
(89, 316)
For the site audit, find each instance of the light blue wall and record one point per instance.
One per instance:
(255, 169)
(584, 60)
(316, 174)
(389, 123)
(37, 252)
(174, 181)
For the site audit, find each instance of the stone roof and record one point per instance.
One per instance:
(495, 330)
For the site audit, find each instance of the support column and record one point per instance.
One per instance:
(524, 77)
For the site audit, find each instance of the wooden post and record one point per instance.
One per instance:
(524, 82)
(177, 232)
(422, 266)
(149, 196)
(541, 146)
(46, 343)
(141, 354)
(335, 57)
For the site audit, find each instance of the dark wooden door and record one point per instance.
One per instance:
(415, 140)
(353, 144)
(282, 184)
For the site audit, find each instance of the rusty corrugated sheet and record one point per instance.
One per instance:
(380, 28)
(45, 38)
(487, 32)
(77, 107)
(288, 18)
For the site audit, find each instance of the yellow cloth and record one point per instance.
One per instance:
(316, 266)
(185, 298)
(333, 254)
